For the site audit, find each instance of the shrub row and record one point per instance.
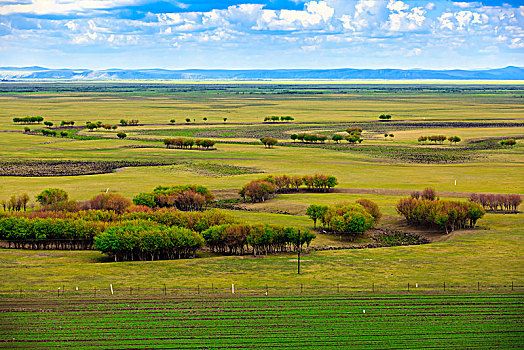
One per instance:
(276, 118)
(263, 239)
(182, 197)
(508, 203)
(446, 215)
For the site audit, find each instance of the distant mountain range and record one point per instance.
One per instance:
(41, 73)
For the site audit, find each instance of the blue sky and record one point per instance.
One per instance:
(179, 34)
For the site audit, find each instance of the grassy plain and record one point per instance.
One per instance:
(491, 253)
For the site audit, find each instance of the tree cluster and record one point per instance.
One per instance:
(263, 189)
(182, 197)
(433, 138)
(443, 214)
(309, 138)
(354, 135)
(131, 122)
(346, 217)
(180, 142)
(28, 120)
(91, 126)
(144, 240)
(15, 203)
(260, 239)
(276, 118)
(49, 233)
(67, 123)
(508, 203)
(47, 132)
(428, 193)
(384, 117)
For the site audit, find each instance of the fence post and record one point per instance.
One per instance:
(165, 289)
(58, 291)
(232, 288)
(444, 286)
(267, 289)
(373, 288)
(338, 288)
(198, 289)
(94, 289)
(511, 286)
(301, 288)
(478, 286)
(21, 289)
(408, 286)
(130, 290)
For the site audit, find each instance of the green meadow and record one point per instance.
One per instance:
(383, 169)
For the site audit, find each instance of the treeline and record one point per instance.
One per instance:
(182, 197)
(508, 203)
(143, 234)
(15, 203)
(263, 189)
(99, 124)
(129, 122)
(354, 136)
(443, 214)
(346, 217)
(181, 142)
(28, 120)
(49, 233)
(259, 239)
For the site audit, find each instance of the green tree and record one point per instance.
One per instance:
(337, 138)
(121, 135)
(51, 196)
(316, 212)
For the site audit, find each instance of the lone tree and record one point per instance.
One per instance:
(121, 135)
(188, 120)
(269, 141)
(294, 137)
(172, 121)
(384, 117)
(225, 120)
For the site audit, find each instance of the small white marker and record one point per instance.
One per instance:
(455, 182)
(111, 289)
(76, 288)
(363, 311)
(416, 285)
(107, 190)
(232, 288)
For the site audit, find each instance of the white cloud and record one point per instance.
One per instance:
(45, 7)
(465, 5)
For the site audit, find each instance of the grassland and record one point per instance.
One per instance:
(490, 255)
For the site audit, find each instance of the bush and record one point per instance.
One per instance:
(348, 218)
(509, 142)
(121, 135)
(371, 207)
(429, 194)
(110, 201)
(269, 141)
(258, 190)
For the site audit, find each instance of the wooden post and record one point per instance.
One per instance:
(408, 286)
(373, 288)
(511, 286)
(478, 286)
(298, 252)
(21, 289)
(58, 291)
(301, 287)
(444, 286)
(338, 288)
(94, 289)
(232, 288)
(267, 289)
(130, 290)
(198, 289)
(165, 289)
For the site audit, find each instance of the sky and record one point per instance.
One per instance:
(264, 34)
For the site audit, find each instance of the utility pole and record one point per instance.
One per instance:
(298, 251)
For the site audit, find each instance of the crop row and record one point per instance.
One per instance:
(312, 322)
